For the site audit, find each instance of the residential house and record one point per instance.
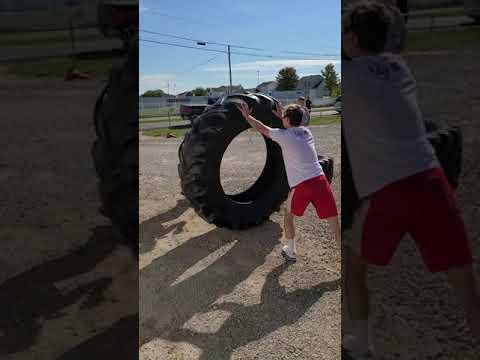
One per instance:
(267, 87)
(312, 86)
(223, 90)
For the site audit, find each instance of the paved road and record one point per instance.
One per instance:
(25, 52)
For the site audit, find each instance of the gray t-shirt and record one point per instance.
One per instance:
(306, 117)
(384, 130)
(299, 154)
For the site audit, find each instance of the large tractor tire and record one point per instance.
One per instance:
(200, 156)
(447, 142)
(115, 152)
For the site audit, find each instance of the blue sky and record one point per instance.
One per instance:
(311, 26)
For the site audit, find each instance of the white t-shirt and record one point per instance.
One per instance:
(299, 154)
(384, 129)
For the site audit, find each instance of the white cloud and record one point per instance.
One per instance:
(274, 65)
(154, 82)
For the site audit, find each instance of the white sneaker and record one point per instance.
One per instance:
(287, 254)
(352, 350)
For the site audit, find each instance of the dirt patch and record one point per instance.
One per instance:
(210, 293)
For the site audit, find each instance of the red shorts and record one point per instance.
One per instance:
(422, 205)
(316, 191)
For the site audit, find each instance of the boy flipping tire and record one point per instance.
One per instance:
(305, 175)
(399, 180)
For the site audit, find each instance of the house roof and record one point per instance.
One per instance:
(266, 83)
(225, 88)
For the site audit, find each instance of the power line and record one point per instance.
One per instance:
(264, 56)
(203, 63)
(198, 40)
(235, 46)
(182, 46)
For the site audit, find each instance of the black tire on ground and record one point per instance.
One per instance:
(115, 153)
(200, 156)
(327, 166)
(447, 142)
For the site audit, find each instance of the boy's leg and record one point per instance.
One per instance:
(356, 287)
(357, 305)
(467, 290)
(289, 224)
(444, 244)
(334, 225)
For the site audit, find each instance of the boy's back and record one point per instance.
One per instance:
(385, 133)
(299, 154)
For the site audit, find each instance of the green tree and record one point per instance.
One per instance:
(153, 93)
(337, 91)
(287, 79)
(199, 91)
(331, 80)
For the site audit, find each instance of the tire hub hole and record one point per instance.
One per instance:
(243, 162)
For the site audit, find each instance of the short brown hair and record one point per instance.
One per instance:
(294, 113)
(370, 21)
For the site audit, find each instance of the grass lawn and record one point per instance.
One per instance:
(442, 39)
(156, 112)
(440, 12)
(159, 119)
(325, 120)
(165, 132)
(57, 67)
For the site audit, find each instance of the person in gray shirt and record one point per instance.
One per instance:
(306, 113)
(396, 173)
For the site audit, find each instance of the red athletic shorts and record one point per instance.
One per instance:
(422, 205)
(316, 191)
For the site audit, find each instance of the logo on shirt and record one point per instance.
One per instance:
(301, 133)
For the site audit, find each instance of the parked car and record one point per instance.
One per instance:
(190, 112)
(472, 9)
(338, 104)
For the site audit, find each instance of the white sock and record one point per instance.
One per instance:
(291, 246)
(357, 341)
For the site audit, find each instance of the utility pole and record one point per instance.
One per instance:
(230, 71)
(203, 43)
(168, 105)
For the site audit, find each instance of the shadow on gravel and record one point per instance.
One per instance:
(249, 323)
(154, 227)
(118, 342)
(167, 304)
(31, 298)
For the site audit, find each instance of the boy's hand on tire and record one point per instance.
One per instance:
(245, 110)
(278, 112)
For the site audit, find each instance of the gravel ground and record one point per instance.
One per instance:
(415, 313)
(64, 279)
(209, 293)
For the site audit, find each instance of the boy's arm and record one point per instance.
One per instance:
(254, 123)
(260, 127)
